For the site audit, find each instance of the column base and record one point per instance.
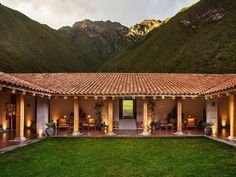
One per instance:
(233, 138)
(145, 134)
(111, 134)
(76, 134)
(178, 133)
(20, 139)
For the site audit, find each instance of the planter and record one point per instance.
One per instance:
(208, 131)
(49, 131)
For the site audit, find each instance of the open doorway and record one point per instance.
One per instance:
(127, 109)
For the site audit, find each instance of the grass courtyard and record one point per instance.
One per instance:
(116, 157)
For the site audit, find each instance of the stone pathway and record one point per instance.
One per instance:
(21, 144)
(223, 140)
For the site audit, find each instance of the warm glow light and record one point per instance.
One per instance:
(54, 121)
(224, 132)
(214, 129)
(224, 120)
(4, 126)
(40, 133)
(28, 123)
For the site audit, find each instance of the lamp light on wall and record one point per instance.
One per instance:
(223, 120)
(4, 126)
(40, 133)
(28, 123)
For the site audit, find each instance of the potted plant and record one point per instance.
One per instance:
(49, 128)
(98, 110)
(103, 126)
(153, 125)
(208, 127)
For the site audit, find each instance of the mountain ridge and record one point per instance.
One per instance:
(198, 39)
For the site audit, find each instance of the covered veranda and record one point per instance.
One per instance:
(31, 100)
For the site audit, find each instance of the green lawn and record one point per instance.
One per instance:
(121, 157)
(128, 104)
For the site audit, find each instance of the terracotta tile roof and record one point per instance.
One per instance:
(21, 83)
(229, 84)
(129, 83)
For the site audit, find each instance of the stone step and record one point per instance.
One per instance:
(127, 124)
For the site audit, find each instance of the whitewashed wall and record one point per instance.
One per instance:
(29, 110)
(60, 108)
(116, 108)
(5, 98)
(212, 113)
(42, 115)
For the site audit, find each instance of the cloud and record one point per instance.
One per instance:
(58, 13)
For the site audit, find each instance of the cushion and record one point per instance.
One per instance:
(62, 121)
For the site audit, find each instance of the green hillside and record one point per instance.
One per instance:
(27, 46)
(95, 42)
(199, 39)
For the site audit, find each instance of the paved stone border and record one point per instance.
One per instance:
(22, 144)
(225, 141)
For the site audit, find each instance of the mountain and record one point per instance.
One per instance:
(199, 39)
(95, 42)
(138, 31)
(28, 46)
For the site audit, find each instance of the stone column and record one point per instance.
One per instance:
(145, 118)
(20, 116)
(42, 113)
(212, 114)
(231, 117)
(76, 117)
(179, 117)
(110, 117)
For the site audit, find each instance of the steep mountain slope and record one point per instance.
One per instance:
(198, 39)
(96, 41)
(138, 31)
(27, 46)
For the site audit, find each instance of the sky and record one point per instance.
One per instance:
(58, 13)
